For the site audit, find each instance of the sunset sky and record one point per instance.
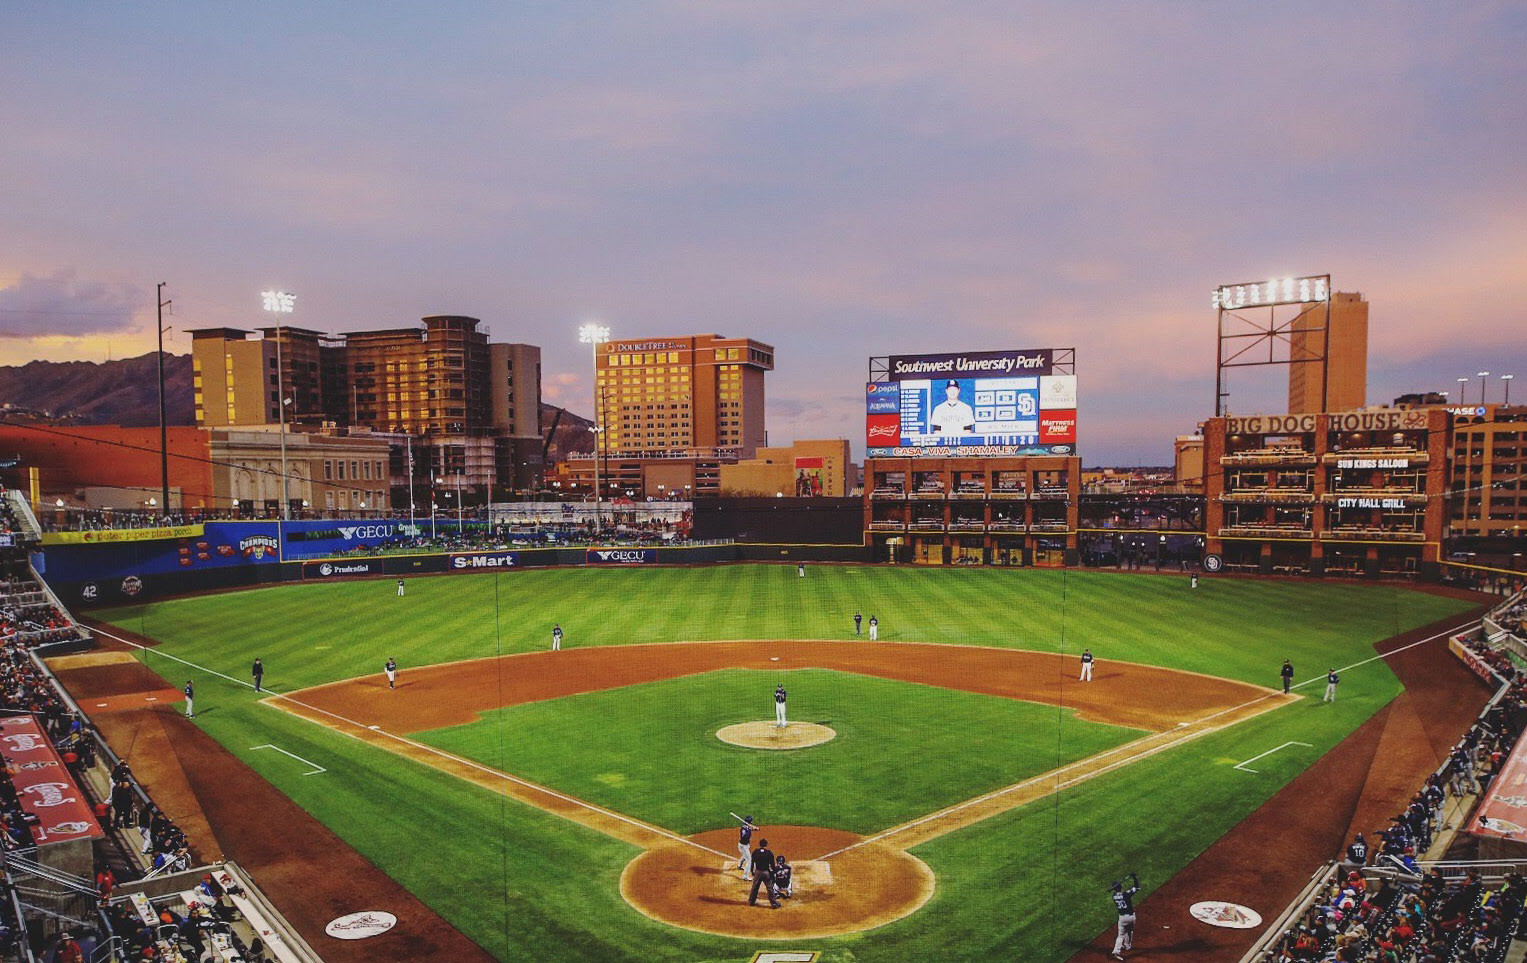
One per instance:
(836, 179)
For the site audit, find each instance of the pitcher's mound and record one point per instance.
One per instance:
(701, 889)
(767, 735)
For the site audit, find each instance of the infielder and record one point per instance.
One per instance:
(392, 673)
(858, 620)
(1124, 902)
(744, 853)
(400, 588)
(1086, 666)
(779, 706)
(190, 692)
(874, 628)
(556, 637)
(1331, 679)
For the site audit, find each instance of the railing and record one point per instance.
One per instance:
(888, 525)
(1050, 527)
(1049, 495)
(24, 516)
(967, 526)
(927, 525)
(1372, 535)
(969, 494)
(1009, 494)
(1286, 496)
(1266, 531)
(1005, 526)
(930, 494)
(893, 494)
(1269, 456)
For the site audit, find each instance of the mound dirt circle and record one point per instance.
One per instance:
(767, 735)
(701, 889)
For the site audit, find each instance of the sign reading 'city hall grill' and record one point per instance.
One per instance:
(1408, 420)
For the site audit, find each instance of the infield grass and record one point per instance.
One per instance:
(1028, 885)
(902, 750)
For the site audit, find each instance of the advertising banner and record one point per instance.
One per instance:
(808, 477)
(483, 561)
(621, 556)
(976, 404)
(122, 535)
(341, 568)
(1503, 813)
(43, 785)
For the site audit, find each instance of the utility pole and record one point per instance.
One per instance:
(164, 431)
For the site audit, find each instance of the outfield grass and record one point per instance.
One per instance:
(902, 750)
(1027, 885)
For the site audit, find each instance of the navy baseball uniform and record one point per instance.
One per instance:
(1124, 903)
(744, 847)
(779, 706)
(190, 692)
(1331, 679)
(392, 673)
(1086, 666)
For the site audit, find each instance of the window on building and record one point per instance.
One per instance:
(328, 470)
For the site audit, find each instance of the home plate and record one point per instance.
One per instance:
(806, 874)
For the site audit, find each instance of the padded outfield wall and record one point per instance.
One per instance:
(109, 568)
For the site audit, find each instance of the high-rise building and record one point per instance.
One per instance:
(1344, 372)
(701, 392)
(473, 405)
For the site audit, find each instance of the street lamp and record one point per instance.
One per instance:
(594, 335)
(1507, 378)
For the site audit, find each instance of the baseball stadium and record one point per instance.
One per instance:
(943, 779)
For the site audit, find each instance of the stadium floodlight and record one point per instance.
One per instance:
(594, 335)
(1507, 378)
(279, 302)
(1483, 385)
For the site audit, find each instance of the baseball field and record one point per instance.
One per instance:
(969, 799)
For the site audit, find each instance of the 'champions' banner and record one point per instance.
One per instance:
(43, 785)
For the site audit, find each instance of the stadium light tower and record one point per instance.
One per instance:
(594, 335)
(1483, 385)
(1507, 378)
(279, 303)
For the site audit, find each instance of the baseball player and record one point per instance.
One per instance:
(190, 692)
(782, 876)
(1124, 902)
(953, 417)
(1086, 666)
(800, 569)
(858, 620)
(556, 637)
(400, 588)
(1331, 679)
(1195, 580)
(874, 628)
(1287, 672)
(258, 671)
(392, 672)
(779, 706)
(744, 852)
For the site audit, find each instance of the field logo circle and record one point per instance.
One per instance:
(1213, 563)
(359, 926)
(1229, 915)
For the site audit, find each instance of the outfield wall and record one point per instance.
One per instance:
(223, 555)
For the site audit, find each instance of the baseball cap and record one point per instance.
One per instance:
(951, 383)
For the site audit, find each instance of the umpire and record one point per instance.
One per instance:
(763, 874)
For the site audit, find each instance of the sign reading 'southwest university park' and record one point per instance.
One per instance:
(972, 404)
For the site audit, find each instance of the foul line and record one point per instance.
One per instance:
(1055, 773)
(306, 762)
(524, 783)
(1242, 765)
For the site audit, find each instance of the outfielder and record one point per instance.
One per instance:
(556, 637)
(779, 706)
(744, 852)
(1124, 902)
(190, 692)
(1086, 666)
(400, 588)
(392, 673)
